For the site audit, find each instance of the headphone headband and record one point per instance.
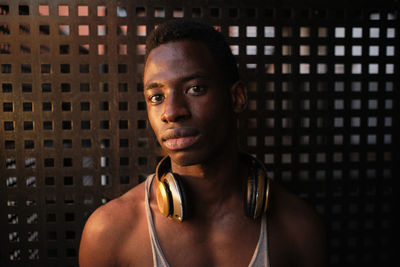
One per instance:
(172, 200)
(163, 166)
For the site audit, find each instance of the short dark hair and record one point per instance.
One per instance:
(182, 29)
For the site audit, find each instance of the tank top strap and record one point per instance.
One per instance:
(260, 257)
(159, 259)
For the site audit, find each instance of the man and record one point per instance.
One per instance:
(193, 95)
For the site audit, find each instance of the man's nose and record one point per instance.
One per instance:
(176, 108)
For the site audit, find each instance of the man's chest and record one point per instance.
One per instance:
(208, 246)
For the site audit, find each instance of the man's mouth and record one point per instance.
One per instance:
(180, 143)
(180, 138)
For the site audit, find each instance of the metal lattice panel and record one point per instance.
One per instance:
(323, 95)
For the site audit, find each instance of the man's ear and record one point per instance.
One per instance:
(239, 97)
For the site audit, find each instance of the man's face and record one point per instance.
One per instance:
(188, 102)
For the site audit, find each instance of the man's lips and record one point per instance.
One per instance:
(179, 138)
(180, 143)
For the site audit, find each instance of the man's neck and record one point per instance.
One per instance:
(214, 186)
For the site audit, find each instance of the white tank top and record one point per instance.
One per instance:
(260, 255)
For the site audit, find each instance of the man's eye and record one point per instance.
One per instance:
(196, 90)
(156, 99)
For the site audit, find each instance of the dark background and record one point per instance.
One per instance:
(323, 90)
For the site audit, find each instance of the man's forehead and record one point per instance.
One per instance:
(174, 49)
(183, 57)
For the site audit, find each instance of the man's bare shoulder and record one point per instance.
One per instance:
(292, 207)
(300, 225)
(123, 208)
(110, 227)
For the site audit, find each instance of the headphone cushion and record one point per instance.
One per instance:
(183, 196)
(250, 202)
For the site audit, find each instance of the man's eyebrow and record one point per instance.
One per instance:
(196, 75)
(152, 85)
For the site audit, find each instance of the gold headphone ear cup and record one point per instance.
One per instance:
(164, 198)
(177, 201)
(257, 191)
(260, 193)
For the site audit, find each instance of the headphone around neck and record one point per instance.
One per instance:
(172, 199)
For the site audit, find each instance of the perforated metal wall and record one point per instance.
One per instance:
(323, 88)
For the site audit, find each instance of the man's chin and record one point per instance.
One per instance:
(186, 158)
